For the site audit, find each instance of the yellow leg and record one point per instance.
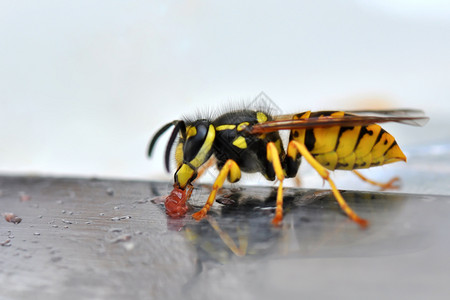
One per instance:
(298, 180)
(326, 176)
(383, 186)
(225, 237)
(274, 158)
(230, 168)
(209, 163)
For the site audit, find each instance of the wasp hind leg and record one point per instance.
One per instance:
(383, 185)
(231, 170)
(301, 148)
(274, 157)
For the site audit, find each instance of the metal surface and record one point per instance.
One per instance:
(105, 239)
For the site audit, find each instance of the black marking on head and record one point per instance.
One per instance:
(194, 143)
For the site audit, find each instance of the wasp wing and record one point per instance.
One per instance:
(401, 112)
(354, 118)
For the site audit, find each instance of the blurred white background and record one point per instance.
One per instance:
(85, 84)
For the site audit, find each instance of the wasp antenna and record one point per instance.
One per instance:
(157, 135)
(179, 126)
(182, 128)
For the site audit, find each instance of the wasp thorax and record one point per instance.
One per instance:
(193, 150)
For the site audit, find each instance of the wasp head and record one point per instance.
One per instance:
(194, 148)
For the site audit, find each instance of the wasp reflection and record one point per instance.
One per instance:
(314, 225)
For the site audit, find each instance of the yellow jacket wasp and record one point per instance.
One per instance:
(248, 140)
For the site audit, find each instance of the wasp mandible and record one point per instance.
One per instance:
(248, 140)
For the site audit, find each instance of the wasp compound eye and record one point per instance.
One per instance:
(195, 138)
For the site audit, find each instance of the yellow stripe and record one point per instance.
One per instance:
(279, 146)
(347, 163)
(200, 158)
(261, 117)
(367, 141)
(365, 161)
(242, 126)
(326, 138)
(328, 160)
(300, 132)
(240, 142)
(347, 141)
(383, 145)
(394, 154)
(184, 174)
(191, 131)
(179, 154)
(225, 127)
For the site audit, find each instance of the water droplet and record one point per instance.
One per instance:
(120, 218)
(56, 258)
(110, 191)
(128, 246)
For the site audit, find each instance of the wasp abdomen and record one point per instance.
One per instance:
(348, 147)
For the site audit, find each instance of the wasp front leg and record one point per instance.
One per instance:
(231, 170)
(209, 163)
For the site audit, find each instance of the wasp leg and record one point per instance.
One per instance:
(383, 186)
(228, 241)
(211, 161)
(231, 170)
(301, 148)
(298, 180)
(274, 157)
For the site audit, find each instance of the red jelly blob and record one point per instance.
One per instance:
(176, 202)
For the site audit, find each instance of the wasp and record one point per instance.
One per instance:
(248, 140)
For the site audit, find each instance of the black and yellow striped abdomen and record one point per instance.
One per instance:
(348, 147)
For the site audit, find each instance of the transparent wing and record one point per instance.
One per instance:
(352, 118)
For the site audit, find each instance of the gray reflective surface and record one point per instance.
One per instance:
(100, 239)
